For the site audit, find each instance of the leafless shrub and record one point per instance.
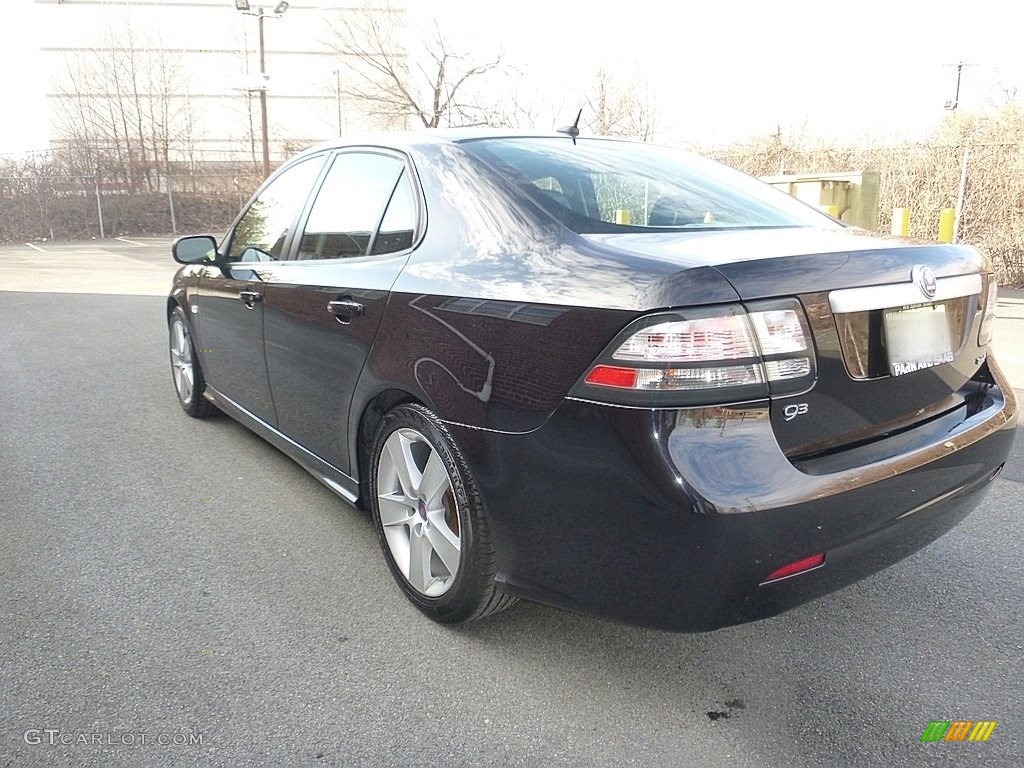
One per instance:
(924, 177)
(621, 106)
(41, 197)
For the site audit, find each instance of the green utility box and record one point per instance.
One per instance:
(851, 197)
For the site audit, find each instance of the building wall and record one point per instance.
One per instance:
(197, 61)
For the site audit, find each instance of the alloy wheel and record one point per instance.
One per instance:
(181, 361)
(418, 512)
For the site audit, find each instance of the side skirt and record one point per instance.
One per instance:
(343, 485)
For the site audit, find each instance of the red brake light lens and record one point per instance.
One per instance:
(612, 376)
(797, 566)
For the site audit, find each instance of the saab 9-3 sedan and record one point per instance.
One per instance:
(597, 374)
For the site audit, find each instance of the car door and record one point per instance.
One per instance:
(324, 309)
(229, 300)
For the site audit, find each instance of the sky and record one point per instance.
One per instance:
(725, 70)
(719, 71)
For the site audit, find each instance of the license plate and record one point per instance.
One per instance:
(917, 338)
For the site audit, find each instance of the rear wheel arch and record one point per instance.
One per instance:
(372, 414)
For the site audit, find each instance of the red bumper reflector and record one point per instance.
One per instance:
(797, 566)
(612, 376)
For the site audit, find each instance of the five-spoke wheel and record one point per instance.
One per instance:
(185, 369)
(418, 512)
(432, 525)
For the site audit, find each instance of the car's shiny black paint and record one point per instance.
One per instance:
(230, 343)
(673, 518)
(314, 358)
(667, 517)
(847, 400)
(328, 474)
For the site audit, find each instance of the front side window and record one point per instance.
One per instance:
(261, 233)
(598, 185)
(350, 205)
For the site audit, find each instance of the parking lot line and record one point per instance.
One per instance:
(133, 242)
(36, 248)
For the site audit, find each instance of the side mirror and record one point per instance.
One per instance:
(195, 249)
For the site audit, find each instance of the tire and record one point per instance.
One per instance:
(186, 373)
(430, 520)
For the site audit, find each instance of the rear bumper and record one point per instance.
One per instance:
(673, 518)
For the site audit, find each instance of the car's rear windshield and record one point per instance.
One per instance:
(598, 185)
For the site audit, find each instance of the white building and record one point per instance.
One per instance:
(188, 72)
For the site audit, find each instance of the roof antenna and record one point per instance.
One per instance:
(572, 130)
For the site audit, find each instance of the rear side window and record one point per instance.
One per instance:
(350, 205)
(261, 233)
(399, 224)
(615, 186)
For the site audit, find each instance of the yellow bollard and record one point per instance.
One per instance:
(831, 210)
(622, 216)
(946, 218)
(901, 221)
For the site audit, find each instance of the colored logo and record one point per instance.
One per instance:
(958, 730)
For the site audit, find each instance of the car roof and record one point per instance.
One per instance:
(434, 137)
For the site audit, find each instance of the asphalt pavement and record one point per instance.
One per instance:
(166, 578)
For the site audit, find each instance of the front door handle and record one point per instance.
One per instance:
(345, 309)
(250, 298)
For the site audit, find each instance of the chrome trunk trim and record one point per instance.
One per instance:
(901, 294)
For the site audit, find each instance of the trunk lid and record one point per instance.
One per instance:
(889, 356)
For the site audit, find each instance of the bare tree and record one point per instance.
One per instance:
(621, 107)
(432, 86)
(522, 108)
(1009, 91)
(117, 110)
(645, 110)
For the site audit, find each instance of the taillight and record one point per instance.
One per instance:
(988, 320)
(726, 337)
(708, 355)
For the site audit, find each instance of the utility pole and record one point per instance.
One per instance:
(279, 9)
(952, 105)
(964, 157)
(961, 191)
(337, 96)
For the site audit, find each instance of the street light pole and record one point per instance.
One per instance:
(263, 99)
(279, 9)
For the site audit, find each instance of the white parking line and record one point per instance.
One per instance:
(133, 242)
(35, 247)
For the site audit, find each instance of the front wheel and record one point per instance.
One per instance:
(189, 383)
(430, 521)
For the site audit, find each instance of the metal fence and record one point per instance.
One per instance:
(60, 207)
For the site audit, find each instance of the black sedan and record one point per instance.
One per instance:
(601, 375)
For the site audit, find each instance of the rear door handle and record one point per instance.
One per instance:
(345, 310)
(250, 298)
